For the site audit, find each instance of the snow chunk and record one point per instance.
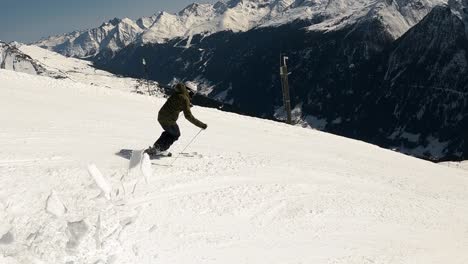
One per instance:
(101, 182)
(146, 167)
(55, 206)
(135, 160)
(76, 231)
(7, 238)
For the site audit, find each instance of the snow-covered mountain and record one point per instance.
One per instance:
(11, 58)
(424, 83)
(377, 71)
(379, 74)
(38, 61)
(252, 191)
(82, 71)
(237, 16)
(109, 37)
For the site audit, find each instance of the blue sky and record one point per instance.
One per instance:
(31, 20)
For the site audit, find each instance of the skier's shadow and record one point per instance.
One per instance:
(135, 156)
(125, 153)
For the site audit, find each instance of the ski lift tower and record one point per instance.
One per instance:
(285, 86)
(145, 69)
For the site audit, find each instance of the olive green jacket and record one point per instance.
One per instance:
(176, 103)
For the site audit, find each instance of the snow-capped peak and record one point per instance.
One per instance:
(237, 16)
(397, 15)
(112, 35)
(146, 22)
(243, 15)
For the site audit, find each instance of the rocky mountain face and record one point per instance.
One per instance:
(423, 81)
(393, 73)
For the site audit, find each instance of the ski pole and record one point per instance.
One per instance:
(178, 155)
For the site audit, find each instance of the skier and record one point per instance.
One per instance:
(180, 101)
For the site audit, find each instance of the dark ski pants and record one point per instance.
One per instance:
(168, 137)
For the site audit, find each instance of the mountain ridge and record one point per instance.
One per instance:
(235, 16)
(12, 58)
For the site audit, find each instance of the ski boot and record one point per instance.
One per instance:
(155, 153)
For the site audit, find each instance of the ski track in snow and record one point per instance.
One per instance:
(260, 192)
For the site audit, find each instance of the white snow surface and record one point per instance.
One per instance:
(255, 191)
(456, 164)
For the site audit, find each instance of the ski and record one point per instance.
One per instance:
(164, 154)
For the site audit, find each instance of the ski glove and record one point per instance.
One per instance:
(204, 126)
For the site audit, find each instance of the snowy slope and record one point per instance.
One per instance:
(32, 59)
(255, 192)
(459, 164)
(11, 58)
